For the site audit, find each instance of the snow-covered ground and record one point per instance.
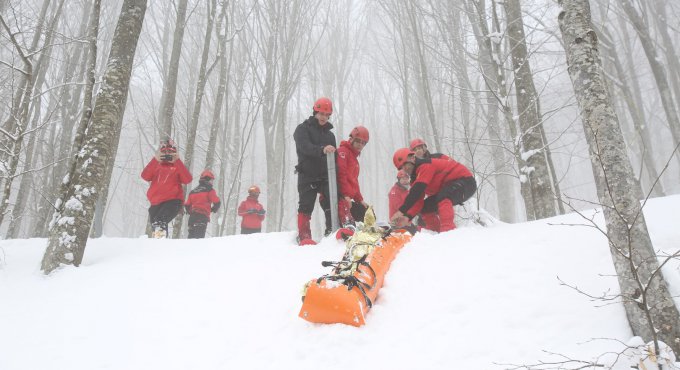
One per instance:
(473, 298)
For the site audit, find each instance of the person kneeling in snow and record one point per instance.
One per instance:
(252, 212)
(200, 202)
(445, 182)
(167, 173)
(397, 196)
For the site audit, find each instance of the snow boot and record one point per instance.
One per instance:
(160, 230)
(431, 221)
(304, 230)
(446, 214)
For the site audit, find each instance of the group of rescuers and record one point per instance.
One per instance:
(428, 184)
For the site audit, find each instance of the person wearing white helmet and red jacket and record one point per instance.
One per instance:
(351, 205)
(313, 140)
(445, 182)
(397, 196)
(167, 174)
(252, 212)
(200, 202)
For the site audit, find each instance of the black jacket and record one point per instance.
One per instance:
(310, 139)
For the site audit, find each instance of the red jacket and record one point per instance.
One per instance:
(201, 200)
(252, 212)
(431, 175)
(348, 172)
(397, 196)
(166, 180)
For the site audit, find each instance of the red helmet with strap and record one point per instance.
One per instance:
(323, 105)
(254, 190)
(208, 174)
(400, 157)
(359, 132)
(416, 142)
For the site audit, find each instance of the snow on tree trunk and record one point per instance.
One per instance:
(533, 146)
(630, 245)
(494, 80)
(71, 223)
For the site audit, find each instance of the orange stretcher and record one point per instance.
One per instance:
(347, 294)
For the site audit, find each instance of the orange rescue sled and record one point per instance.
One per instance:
(346, 295)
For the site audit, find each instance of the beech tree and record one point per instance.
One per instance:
(649, 306)
(75, 208)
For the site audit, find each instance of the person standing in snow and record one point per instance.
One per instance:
(445, 182)
(351, 205)
(398, 194)
(200, 202)
(252, 212)
(167, 174)
(313, 140)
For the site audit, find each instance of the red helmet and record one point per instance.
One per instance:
(323, 105)
(254, 190)
(208, 174)
(416, 142)
(400, 157)
(401, 174)
(359, 132)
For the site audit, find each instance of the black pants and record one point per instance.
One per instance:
(307, 192)
(161, 214)
(198, 224)
(458, 191)
(250, 230)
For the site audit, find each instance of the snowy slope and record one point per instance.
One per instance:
(473, 298)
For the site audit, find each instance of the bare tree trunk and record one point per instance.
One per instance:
(27, 177)
(198, 103)
(494, 78)
(167, 107)
(423, 80)
(661, 18)
(533, 145)
(505, 195)
(643, 137)
(71, 223)
(648, 303)
(658, 70)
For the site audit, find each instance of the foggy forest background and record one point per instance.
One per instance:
(230, 80)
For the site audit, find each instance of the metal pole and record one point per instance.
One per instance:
(333, 190)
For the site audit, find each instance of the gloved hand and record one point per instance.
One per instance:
(251, 211)
(214, 208)
(187, 208)
(261, 212)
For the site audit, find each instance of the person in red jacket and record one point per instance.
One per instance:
(167, 174)
(200, 202)
(252, 212)
(419, 148)
(445, 182)
(397, 196)
(351, 205)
